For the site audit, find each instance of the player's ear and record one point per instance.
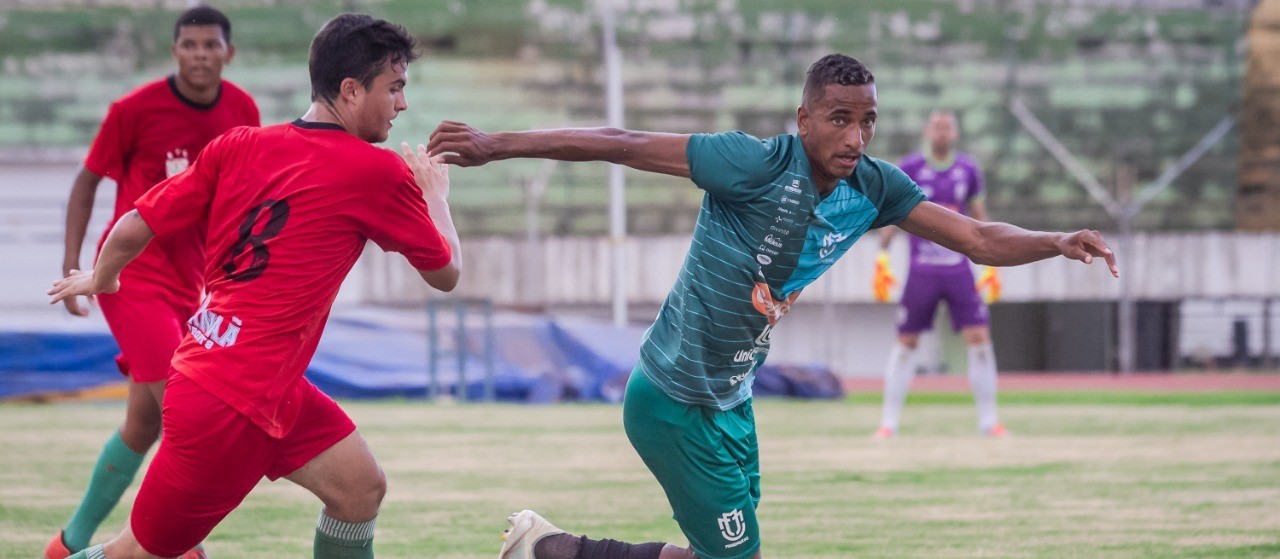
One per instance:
(802, 120)
(231, 53)
(350, 89)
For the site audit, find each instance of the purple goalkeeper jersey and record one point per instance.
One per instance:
(951, 188)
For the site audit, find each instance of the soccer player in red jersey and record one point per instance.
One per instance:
(150, 134)
(288, 210)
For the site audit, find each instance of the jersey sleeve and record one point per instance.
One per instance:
(182, 201)
(114, 141)
(733, 165)
(403, 225)
(893, 193)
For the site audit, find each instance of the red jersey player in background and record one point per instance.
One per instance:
(150, 134)
(288, 210)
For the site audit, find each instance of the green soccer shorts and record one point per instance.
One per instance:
(707, 462)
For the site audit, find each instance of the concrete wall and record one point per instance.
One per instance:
(563, 271)
(575, 270)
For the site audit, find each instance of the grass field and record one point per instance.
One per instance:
(1180, 476)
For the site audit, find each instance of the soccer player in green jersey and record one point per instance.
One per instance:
(777, 213)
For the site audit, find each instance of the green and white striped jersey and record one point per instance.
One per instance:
(762, 235)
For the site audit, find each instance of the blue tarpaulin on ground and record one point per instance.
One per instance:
(535, 359)
(36, 362)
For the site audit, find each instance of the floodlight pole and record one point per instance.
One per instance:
(1122, 212)
(617, 183)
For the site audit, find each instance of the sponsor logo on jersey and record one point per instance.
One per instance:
(926, 173)
(957, 174)
(961, 190)
(764, 259)
(779, 230)
(175, 162)
(790, 200)
(742, 357)
(763, 248)
(829, 243)
(772, 241)
(732, 528)
(765, 337)
(764, 303)
(794, 187)
(207, 327)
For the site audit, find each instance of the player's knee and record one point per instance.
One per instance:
(379, 488)
(366, 494)
(909, 341)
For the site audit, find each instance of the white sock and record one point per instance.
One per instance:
(897, 382)
(347, 531)
(982, 380)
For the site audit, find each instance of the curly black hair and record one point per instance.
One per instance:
(834, 69)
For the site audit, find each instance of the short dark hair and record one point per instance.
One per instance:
(203, 15)
(356, 46)
(834, 69)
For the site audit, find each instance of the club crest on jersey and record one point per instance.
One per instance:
(732, 528)
(794, 187)
(206, 327)
(829, 243)
(175, 162)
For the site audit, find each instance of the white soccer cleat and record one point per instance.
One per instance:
(527, 528)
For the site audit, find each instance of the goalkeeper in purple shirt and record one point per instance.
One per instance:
(952, 180)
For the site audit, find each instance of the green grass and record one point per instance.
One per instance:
(1115, 476)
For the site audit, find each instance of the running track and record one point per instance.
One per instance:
(1145, 382)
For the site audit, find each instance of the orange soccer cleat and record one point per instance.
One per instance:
(883, 433)
(56, 548)
(997, 431)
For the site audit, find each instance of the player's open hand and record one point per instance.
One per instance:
(430, 172)
(461, 144)
(77, 284)
(1085, 245)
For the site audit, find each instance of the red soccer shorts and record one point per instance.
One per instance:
(148, 331)
(211, 457)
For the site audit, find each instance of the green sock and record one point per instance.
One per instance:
(111, 477)
(336, 539)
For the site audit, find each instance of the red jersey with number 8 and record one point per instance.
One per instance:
(290, 208)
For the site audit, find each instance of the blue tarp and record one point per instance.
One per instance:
(533, 359)
(36, 362)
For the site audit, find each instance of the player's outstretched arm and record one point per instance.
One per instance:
(125, 242)
(432, 176)
(79, 209)
(656, 152)
(1001, 244)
